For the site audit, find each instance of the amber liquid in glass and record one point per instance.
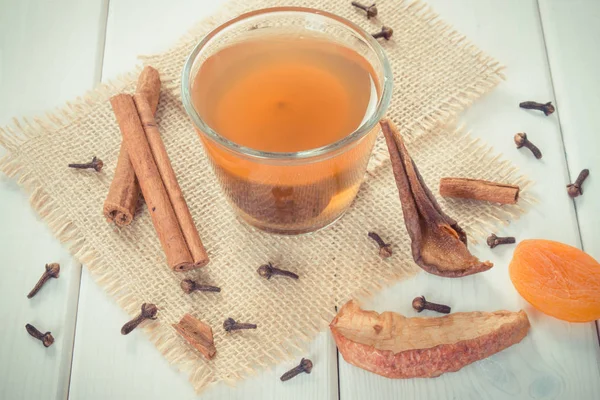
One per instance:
(287, 94)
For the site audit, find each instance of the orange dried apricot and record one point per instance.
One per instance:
(557, 279)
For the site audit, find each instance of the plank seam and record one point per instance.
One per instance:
(97, 80)
(74, 332)
(562, 137)
(560, 128)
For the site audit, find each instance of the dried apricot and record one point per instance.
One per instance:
(557, 279)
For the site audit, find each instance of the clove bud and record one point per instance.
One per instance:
(574, 189)
(420, 304)
(494, 240)
(46, 338)
(371, 10)
(547, 108)
(52, 271)
(268, 270)
(385, 249)
(386, 33)
(190, 286)
(230, 324)
(148, 312)
(522, 141)
(96, 164)
(305, 366)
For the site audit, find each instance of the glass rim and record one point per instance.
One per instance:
(382, 103)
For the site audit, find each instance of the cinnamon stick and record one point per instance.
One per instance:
(156, 197)
(190, 233)
(477, 189)
(121, 201)
(123, 194)
(148, 85)
(198, 334)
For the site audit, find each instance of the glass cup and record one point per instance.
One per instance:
(291, 192)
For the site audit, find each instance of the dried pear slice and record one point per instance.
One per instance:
(439, 245)
(395, 346)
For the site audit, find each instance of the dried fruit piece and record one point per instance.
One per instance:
(557, 279)
(394, 346)
(439, 245)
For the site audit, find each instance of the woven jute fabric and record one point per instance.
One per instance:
(437, 73)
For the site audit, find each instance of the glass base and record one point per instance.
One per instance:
(289, 232)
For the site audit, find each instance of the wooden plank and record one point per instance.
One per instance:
(556, 360)
(29, 370)
(572, 30)
(49, 54)
(139, 27)
(130, 367)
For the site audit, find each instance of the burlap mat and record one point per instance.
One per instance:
(437, 73)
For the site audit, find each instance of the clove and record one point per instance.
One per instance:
(522, 141)
(52, 271)
(46, 338)
(386, 33)
(420, 304)
(371, 10)
(305, 366)
(385, 249)
(190, 286)
(268, 270)
(148, 312)
(231, 325)
(95, 164)
(547, 108)
(574, 189)
(494, 240)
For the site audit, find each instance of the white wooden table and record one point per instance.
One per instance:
(51, 52)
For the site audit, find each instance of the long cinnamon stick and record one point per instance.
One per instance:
(158, 202)
(122, 198)
(477, 189)
(190, 233)
(198, 334)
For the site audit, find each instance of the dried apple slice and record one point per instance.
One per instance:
(395, 346)
(438, 243)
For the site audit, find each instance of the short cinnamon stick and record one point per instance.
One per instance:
(477, 189)
(188, 227)
(198, 334)
(156, 197)
(122, 198)
(119, 206)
